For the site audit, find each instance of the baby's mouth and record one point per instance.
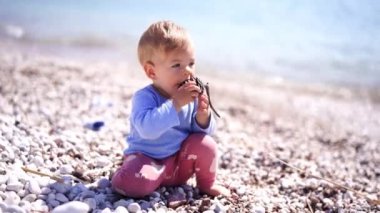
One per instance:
(185, 81)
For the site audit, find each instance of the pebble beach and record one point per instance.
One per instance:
(67, 119)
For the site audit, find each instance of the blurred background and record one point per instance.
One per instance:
(326, 41)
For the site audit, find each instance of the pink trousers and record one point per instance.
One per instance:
(140, 175)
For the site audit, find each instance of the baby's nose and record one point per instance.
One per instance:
(189, 71)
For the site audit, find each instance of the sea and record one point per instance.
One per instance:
(321, 41)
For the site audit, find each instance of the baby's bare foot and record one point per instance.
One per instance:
(216, 190)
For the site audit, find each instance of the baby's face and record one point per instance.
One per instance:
(172, 69)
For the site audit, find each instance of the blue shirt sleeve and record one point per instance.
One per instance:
(150, 120)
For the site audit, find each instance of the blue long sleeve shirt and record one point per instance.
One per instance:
(157, 129)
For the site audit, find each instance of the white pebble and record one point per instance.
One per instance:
(121, 209)
(106, 210)
(34, 188)
(72, 207)
(38, 161)
(122, 202)
(15, 209)
(3, 179)
(15, 186)
(287, 183)
(241, 190)
(102, 161)
(134, 207)
(11, 198)
(258, 209)
(328, 202)
(66, 169)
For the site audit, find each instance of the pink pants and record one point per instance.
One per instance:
(140, 175)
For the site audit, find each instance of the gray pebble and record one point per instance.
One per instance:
(103, 183)
(61, 198)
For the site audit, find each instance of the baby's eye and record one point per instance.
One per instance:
(176, 65)
(191, 64)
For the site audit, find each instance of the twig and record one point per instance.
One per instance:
(54, 177)
(363, 195)
(308, 204)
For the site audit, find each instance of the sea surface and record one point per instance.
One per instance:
(321, 41)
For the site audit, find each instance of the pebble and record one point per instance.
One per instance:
(66, 170)
(121, 209)
(134, 207)
(34, 187)
(72, 207)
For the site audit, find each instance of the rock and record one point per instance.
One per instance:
(91, 202)
(72, 207)
(122, 202)
(15, 209)
(33, 187)
(134, 207)
(106, 210)
(258, 209)
(103, 183)
(61, 198)
(11, 198)
(328, 203)
(121, 209)
(30, 198)
(66, 170)
(3, 179)
(15, 186)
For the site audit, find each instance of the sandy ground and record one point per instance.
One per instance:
(328, 132)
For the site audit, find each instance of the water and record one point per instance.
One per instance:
(328, 41)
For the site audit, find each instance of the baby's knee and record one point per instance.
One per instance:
(133, 187)
(198, 140)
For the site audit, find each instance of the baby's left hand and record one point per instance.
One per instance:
(203, 111)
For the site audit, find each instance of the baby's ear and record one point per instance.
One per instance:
(149, 70)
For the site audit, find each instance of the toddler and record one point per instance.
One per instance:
(170, 120)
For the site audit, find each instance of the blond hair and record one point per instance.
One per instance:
(161, 36)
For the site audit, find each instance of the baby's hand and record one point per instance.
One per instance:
(203, 111)
(185, 94)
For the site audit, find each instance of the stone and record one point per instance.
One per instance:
(15, 186)
(61, 198)
(258, 209)
(33, 187)
(134, 207)
(66, 169)
(72, 207)
(121, 209)
(103, 183)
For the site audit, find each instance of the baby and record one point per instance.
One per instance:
(170, 120)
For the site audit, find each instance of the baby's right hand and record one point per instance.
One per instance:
(185, 94)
